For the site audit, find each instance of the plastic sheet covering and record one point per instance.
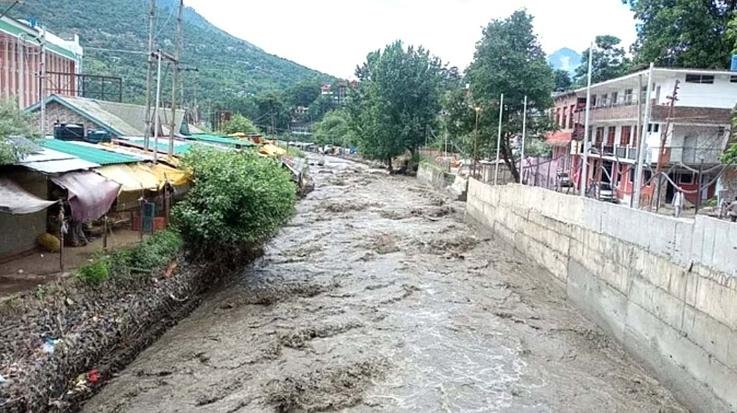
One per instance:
(272, 150)
(134, 183)
(132, 178)
(90, 195)
(16, 200)
(165, 173)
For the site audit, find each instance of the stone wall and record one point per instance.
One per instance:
(665, 288)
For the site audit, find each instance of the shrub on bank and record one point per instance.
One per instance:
(239, 200)
(149, 256)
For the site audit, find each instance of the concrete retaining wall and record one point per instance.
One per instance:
(666, 288)
(439, 179)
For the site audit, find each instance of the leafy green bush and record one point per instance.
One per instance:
(156, 251)
(149, 256)
(94, 273)
(240, 124)
(239, 200)
(14, 122)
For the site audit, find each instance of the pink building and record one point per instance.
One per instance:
(22, 57)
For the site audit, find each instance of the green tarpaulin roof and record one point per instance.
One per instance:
(222, 140)
(89, 152)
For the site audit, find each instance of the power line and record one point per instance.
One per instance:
(7, 10)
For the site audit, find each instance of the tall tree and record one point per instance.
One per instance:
(609, 61)
(240, 124)
(682, 33)
(334, 129)
(304, 92)
(14, 123)
(563, 80)
(272, 111)
(510, 60)
(397, 100)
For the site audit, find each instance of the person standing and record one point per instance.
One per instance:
(732, 210)
(678, 204)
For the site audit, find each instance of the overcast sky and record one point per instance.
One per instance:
(334, 36)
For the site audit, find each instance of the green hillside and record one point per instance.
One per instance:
(228, 67)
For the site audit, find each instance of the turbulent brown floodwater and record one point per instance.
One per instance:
(378, 296)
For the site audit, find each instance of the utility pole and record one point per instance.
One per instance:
(663, 140)
(643, 140)
(157, 120)
(476, 142)
(42, 69)
(524, 133)
(638, 131)
(585, 156)
(499, 139)
(175, 79)
(149, 68)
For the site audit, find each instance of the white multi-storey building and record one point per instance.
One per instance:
(695, 127)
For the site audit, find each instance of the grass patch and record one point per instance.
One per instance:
(149, 256)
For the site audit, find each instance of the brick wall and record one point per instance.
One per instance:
(56, 112)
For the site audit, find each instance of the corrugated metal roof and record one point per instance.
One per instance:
(221, 140)
(60, 166)
(120, 119)
(180, 147)
(52, 162)
(16, 200)
(89, 152)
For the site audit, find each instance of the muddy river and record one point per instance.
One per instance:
(378, 297)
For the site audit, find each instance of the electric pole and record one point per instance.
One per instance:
(584, 172)
(524, 132)
(499, 139)
(175, 79)
(663, 140)
(643, 139)
(151, 26)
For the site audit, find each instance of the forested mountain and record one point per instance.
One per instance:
(229, 68)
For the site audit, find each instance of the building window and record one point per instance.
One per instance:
(570, 118)
(610, 135)
(703, 79)
(615, 97)
(599, 135)
(628, 97)
(593, 101)
(733, 79)
(604, 99)
(565, 119)
(686, 179)
(624, 140)
(557, 116)
(653, 128)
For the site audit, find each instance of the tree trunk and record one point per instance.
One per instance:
(389, 164)
(508, 157)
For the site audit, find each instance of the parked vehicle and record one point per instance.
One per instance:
(605, 192)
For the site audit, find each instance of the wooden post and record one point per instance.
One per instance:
(61, 237)
(140, 219)
(104, 233)
(167, 204)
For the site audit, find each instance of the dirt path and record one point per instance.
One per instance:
(379, 297)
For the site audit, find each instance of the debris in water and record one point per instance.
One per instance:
(49, 345)
(332, 388)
